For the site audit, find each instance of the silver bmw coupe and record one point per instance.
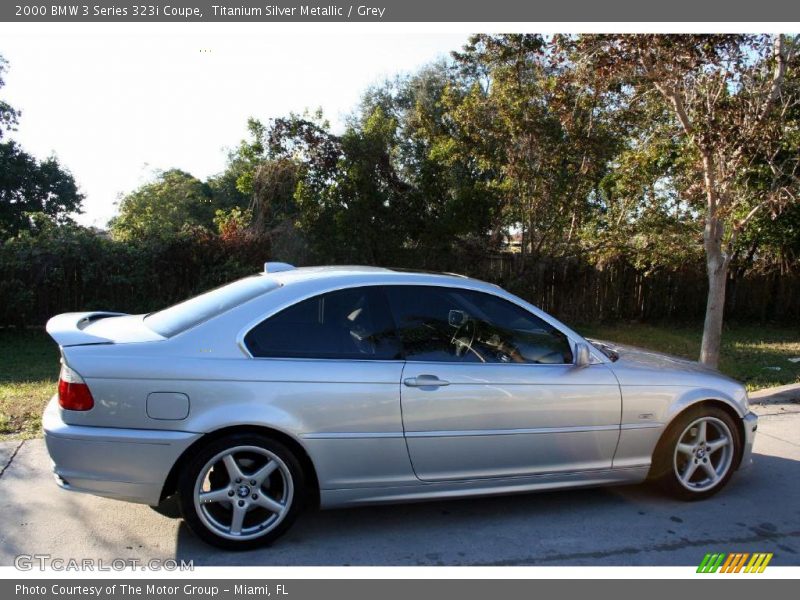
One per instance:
(341, 386)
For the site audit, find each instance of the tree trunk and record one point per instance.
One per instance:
(715, 305)
(717, 269)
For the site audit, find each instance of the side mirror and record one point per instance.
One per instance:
(583, 357)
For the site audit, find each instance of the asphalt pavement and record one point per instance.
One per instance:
(759, 511)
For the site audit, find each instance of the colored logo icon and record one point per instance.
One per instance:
(735, 562)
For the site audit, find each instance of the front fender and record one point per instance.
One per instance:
(647, 412)
(738, 402)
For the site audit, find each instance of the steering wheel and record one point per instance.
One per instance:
(464, 337)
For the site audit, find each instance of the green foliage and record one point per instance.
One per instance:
(560, 141)
(713, 136)
(173, 202)
(243, 161)
(517, 134)
(70, 268)
(274, 185)
(224, 192)
(29, 365)
(637, 214)
(232, 223)
(8, 114)
(772, 240)
(30, 190)
(449, 203)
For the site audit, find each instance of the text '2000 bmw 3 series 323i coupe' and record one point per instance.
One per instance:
(345, 386)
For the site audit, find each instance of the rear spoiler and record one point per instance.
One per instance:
(67, 329)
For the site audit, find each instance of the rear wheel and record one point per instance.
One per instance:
(698, 454)
(241, 491)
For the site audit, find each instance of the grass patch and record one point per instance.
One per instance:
(29, 362)
(28, 375)
(756, 355)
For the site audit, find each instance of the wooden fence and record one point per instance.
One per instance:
(580, 292)
(88, 273)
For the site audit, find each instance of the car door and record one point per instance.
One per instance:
(490, 390)
(331, 364)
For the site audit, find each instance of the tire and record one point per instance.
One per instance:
(253, 486)
(698, 453)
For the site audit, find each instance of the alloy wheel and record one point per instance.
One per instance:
(704, 454)
(243, 492)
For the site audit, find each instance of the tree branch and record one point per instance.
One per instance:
(677, 104)
(778, 76)
(740, 225)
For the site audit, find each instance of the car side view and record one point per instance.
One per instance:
(343, 386)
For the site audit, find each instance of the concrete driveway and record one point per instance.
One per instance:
(758, 512)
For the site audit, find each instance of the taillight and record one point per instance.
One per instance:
(73, 393)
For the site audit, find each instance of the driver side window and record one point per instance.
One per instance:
(453, 325)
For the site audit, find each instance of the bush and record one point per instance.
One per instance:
(70, 268)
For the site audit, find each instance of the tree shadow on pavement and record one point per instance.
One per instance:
(614, 525)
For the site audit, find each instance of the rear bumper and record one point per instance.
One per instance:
(750, 422)
(125, 464)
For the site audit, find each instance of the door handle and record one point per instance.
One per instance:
(425, 381)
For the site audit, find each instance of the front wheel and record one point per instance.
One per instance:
(241, 491)
(698, 454)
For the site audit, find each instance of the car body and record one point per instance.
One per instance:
(339, 385)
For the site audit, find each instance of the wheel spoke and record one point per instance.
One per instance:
(690, 469)
(234, 472)
(687, 449)
(214, 496)
(264, 472)
(701, 431)
(270, 504)
(237, 519)
(710, 471)
(717, 444)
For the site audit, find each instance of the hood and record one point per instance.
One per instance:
(642, 357)
(638, 366)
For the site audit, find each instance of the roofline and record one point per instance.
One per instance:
(331, 271)
(428, 272)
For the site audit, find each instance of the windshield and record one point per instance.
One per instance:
(189, 313)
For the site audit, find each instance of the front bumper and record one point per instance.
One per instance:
(125, 464)
(750, 423)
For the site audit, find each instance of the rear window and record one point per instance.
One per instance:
(189, 313)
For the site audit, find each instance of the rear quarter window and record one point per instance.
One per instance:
(353, 323)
